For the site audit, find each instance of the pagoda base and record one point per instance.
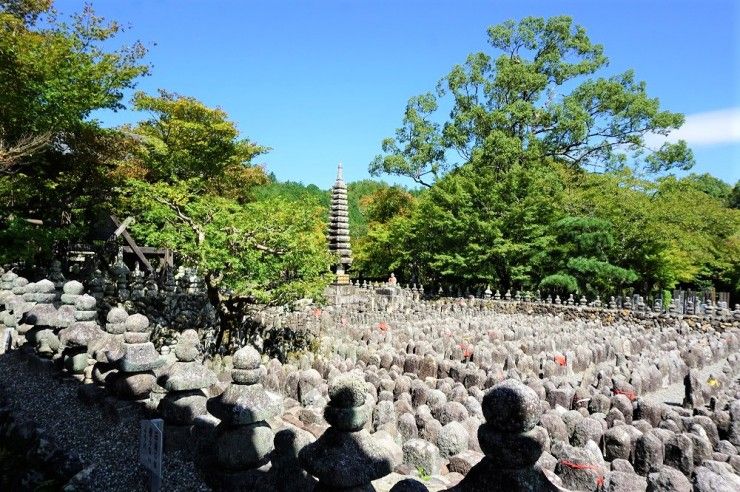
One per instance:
(339, 294)
(341, 279)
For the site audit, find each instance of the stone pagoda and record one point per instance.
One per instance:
(338, 233)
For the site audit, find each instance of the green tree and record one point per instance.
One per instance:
(669, 231)
(386, 203)
(357, 195)
(514, 110)
(295, 192)
(483, 228)
(582, 257)
(192, 187)
(712, 186)
(184, 139)
(387, 246)
(733, 200)
(55, 162)
(700, 231)
(512, 174)
(268, 251)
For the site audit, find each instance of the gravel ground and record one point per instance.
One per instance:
(108, 444)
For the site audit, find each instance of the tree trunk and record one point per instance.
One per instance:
(214, 297)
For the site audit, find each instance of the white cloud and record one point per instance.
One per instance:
(709, 128)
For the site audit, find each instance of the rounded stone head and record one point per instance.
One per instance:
(186, 349)
(512, 406)
(85, 303)
(247, 358)
(137, 323)
(347, 410)
(45, 286)
(73, 287)
(347, 391)
(117, 315)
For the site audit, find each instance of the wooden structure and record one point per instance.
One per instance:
(112, 227)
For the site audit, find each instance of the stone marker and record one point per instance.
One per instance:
(346, 456)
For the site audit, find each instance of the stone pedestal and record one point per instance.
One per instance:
(135, 378)
(109, 349)
(79, 335)
(41, 313)
(185, 382)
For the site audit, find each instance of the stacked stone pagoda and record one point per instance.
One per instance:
(77, 337)
(109, 348)
(244, 438)
(338, 233)
(346, 456)
(185, 382)
(135, 377)
(512, 443)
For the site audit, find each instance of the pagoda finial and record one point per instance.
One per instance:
(340, 173)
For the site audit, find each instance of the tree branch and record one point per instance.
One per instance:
(200, 234)
(257, 246)
(26, 146)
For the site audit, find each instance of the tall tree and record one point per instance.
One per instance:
(55, 162)
(185, 139)
(387, 245)
(529, 123)
(539, 98)
(583, 258)
(483, 228)
(192, 187)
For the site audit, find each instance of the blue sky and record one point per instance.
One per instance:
(325, 81)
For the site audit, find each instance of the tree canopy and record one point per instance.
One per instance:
(538, 98)
(535, 171)
(542, 176)
(55, 162)
(191, 184)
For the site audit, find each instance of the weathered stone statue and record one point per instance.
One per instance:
(108, 349)
(244, 439)
(511, 441)
(135, 377)
(79, 335)
(185, 382)
(346, 456)
(43, 317)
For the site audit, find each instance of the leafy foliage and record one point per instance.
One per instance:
(185, 139)
(270, 251)
(583, 254)
(195, 191)
(55, 163)
(540, 177)
(510, 110)
(560, 283)
(385, 246)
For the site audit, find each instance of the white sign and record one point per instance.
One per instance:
(150, 450)
(7, 340)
